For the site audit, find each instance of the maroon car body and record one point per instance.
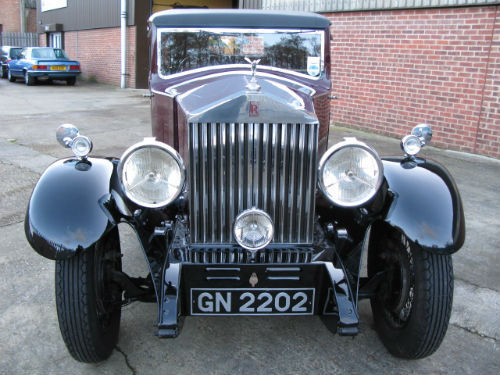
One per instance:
(240, 205)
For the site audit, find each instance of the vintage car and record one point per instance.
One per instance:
(240, 206)
(44, 63)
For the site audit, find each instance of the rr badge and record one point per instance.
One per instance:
(254, 109)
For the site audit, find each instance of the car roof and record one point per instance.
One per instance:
(248, 18)
(6, 48)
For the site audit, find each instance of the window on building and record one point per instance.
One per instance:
(55, 40)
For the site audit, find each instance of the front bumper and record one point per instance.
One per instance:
(310, 278)
(327, 286)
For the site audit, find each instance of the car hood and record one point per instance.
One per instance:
(231, 98)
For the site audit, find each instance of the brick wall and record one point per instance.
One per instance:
(42, 40)
(98, 52)
(31, 21)
(394, 69)
(10, 18)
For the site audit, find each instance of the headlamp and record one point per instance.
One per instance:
(152, 173)
(350, 173)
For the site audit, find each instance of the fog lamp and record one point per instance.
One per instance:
(253, 229)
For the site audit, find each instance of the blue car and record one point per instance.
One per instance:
(47, 63)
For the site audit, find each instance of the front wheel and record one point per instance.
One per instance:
(88, 302)
(412, 307)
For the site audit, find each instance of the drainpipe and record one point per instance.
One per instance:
(123, 42)
(22, 12)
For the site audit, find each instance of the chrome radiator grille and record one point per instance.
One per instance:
(234, 255)
(236, 166)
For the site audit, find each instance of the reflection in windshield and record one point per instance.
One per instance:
(295, 50)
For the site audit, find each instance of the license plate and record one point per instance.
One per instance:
(57, 68)
(263, 301)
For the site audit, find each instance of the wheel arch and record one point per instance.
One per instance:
(426, 205)
(71, 207)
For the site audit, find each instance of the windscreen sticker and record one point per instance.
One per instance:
(313, 63)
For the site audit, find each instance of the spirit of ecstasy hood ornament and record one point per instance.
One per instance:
(253, 85)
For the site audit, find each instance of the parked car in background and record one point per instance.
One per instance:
(240, 205)
(7, 53)
(47, 63)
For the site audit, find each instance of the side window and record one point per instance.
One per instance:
(14, 53)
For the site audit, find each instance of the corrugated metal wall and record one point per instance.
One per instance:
(351, 5)
(250, 4)
(19, 39)
(87, 14)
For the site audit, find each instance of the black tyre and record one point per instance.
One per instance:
(412, 307)
(11, 77)
(88, 302)
(4, 72)
(70, 81)
(28, 79)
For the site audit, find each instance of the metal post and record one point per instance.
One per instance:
(22, 13)
(123, 43)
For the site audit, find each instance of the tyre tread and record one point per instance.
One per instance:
(428, 322)
(72, 308)
(75, 304)
(439, 276)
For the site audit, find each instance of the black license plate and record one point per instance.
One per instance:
(255, 301)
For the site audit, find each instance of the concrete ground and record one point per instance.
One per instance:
(30, 342)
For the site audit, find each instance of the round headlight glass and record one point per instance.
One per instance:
(152, 174)
(253, 229)
(350, 173)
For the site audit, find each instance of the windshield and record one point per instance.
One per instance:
(48, 53)
(297, 50)
(15, 52)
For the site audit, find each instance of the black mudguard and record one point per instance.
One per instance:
(426, 204)
(68, 209)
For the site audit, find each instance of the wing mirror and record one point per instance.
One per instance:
(69, 137)
(66, 133)
(423, 132)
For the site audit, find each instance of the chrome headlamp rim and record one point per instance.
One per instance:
(153, 143)
(347, 143)
(247, 212)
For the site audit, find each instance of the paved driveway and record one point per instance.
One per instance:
(29, 335)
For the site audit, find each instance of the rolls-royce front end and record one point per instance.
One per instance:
(240, 206)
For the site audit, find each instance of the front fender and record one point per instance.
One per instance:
(426, 204)
(67, 210)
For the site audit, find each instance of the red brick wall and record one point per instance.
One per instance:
(31, 21)
(42, 40)
(394, 69)
(10, 17)
(98, 52)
